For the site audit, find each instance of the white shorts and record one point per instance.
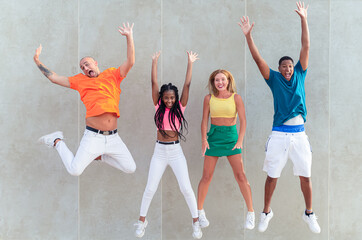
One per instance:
(281, 146)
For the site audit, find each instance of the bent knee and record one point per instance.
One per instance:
(75, 172)
(130, 169)
(241, 178)
(271, 180)
(305, 179)
(206, 178)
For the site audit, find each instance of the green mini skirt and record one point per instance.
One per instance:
(221, 140)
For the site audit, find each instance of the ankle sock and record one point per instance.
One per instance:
(306, 213)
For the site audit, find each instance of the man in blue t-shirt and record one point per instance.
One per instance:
(288, 139)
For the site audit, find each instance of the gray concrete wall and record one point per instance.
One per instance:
(40, 200)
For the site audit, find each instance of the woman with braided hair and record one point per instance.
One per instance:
(170, 123)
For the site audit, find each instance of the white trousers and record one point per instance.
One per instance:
(173, 156)
(110, 147)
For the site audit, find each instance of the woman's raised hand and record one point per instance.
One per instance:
(156, 55)
(192, 56)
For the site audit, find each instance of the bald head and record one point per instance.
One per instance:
(89, 67)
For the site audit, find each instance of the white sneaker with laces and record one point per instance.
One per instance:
(197, 233)
(250, 220)
(202, 219)
(140, 228)
(264, 220)
(311, 220)
(50, 138)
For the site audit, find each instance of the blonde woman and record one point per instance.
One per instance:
(223, 105)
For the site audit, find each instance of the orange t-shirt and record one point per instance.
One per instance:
(101, 94)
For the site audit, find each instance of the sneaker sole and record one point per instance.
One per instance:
(306, 221)
(249, 228)
(204, 226)
(197, 237)
(261, 230)
(139, 236)
(143, 233)
(41, 139)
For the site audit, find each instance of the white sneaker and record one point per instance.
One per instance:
(197, 234)
(250, 220)
(202, 219)
(311, 220)
(264, 221)
(50, 138)
(140, 228)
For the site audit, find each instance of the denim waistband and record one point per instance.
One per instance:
(289, 129)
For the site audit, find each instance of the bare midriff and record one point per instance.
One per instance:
(172, 136)
(103, 122)
(223, 121)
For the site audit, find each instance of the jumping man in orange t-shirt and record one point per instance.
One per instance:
(99, 92)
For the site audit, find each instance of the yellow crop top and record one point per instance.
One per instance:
(222, 107)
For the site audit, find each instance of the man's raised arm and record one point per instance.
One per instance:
(127, 31)
(262, 65)
(52, 76)
(304, 51)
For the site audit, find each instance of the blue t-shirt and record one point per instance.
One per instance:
(289, 96)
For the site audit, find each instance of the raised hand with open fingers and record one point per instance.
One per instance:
(156, 55)
(245, 25)
(192, 56)
(126, 30)
(302, 10)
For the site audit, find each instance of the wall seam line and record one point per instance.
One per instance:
(161, 32)
(78, 127)
(246, 101)
(329, 121)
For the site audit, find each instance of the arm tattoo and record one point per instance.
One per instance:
(45, 70)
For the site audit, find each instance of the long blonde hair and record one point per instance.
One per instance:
(211, 85)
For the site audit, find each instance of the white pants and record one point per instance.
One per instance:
(110, 147)
(281, 146)
(163, 156)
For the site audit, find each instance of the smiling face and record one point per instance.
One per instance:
(89, 67)
(169, 98)
(286, 68)
(221, 82)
